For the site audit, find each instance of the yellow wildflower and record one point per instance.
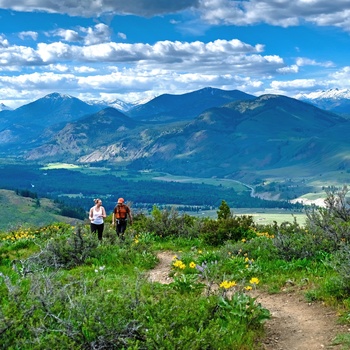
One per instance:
(192, 265)
(227, 284)
(254, 280)
(248, 288)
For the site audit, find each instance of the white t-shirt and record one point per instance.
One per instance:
(97, 216)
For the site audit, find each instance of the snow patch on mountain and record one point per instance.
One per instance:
(331, 94)
(120, 105)
(4, 107)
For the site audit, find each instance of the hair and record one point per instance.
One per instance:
(96, 200)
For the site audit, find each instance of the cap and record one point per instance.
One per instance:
(121, 200)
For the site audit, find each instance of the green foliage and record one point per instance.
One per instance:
(168, 223)
(332, 223)
(217, 232)
(242, 308)
(224, 211)
(341, 264)
(187, 283)
(65, 252)
(296, 242)
(95, 295)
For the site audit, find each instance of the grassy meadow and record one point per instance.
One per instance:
(61, 288)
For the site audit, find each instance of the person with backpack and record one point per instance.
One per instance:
(120, 216)
(96, 215)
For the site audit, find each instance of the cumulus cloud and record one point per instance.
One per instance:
(184, 54)
(122, 36)
(100, 33)
(95, 8)
(3, 42)
(302, 61)
(214, 12)
(68, 35)
(282, 13)
(31, 34)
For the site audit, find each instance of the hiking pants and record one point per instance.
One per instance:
(121, 227)
(98, 229)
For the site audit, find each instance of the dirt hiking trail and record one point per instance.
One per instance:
(294, 324)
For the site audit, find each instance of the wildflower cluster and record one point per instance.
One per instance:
(179, 264)
(265, 234)
(253, 282)
(227, 284)
(19, 235)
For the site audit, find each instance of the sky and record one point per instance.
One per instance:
(138, 49)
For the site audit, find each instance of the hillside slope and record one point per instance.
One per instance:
(23, 211)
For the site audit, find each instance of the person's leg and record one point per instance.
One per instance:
(123, 227)
(118, 228)
(93, 228)
(100, 231)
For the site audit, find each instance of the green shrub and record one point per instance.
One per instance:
(295, 242)
(169, 223)
(332, 223)
(62, 252)
(217, 232)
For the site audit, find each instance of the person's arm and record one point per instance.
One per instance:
(91, 215)
(130, 216)
(113, 218)
(103, 212)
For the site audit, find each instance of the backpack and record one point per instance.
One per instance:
(121, 211)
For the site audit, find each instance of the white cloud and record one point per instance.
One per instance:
(282, 13)
(31, 34)
(93, 8)
(230, 12)
(122, 36)
(69, 35)
(179, 55)
(58, 67)
(98, 34)
(84, 69)
(302, 61)
(341, 78)
(297, 83)
(291, 69)
(3, 42)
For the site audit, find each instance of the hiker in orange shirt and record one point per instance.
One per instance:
(121, 213)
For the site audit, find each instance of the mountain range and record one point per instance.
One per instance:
(207, 133)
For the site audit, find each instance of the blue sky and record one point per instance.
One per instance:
(136, 49)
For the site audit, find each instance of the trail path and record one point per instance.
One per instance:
(294, 324)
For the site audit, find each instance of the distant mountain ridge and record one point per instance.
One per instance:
(167, 108)
(208, 133)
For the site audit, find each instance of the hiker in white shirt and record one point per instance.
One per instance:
(96, 215)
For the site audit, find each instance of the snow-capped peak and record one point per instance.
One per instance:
(333, 94)
(4, 107)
